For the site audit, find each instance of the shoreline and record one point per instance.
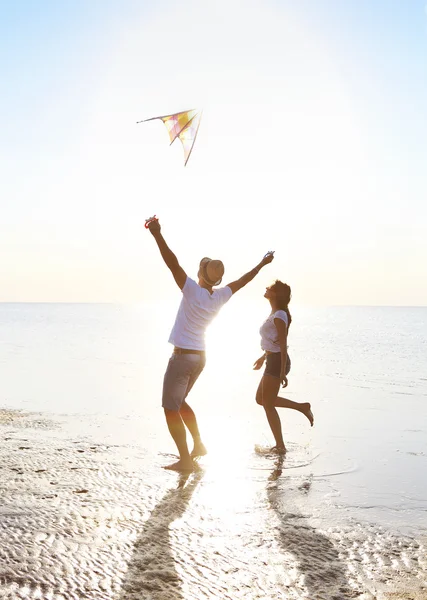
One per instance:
(81, 519)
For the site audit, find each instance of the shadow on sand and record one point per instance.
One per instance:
(323, 572)
(152, 573)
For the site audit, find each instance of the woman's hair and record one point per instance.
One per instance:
(283, 297)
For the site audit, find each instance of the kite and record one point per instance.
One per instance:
(184, 125)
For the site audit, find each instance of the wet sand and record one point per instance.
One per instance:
(84, 520)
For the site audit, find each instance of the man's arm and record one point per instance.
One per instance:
(168, 256)
(245, 279)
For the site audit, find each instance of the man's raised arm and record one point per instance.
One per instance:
(239, 283)
(168, 256)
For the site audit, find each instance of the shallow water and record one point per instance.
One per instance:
(87, 509)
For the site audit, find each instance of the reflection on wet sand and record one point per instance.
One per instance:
(152, 573)
(323, 574)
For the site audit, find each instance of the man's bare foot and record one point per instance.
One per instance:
(278, 449)
(198, 450)
(306, 410)
(182, 466)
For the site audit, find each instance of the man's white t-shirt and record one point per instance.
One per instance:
(197, 309)
(268, 331)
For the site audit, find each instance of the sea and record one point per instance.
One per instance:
(252, 524)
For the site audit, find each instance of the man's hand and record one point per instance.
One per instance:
(154, 226)
(258, 363)
(237, 285)
(268, 258)
(168, 256)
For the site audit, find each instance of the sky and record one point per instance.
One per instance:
(313, 143)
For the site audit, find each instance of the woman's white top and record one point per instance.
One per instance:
(268, 331)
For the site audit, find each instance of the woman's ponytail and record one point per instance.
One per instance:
(283, 296)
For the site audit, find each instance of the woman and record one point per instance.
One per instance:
(274, 336)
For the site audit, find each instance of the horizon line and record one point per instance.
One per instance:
(127, 303)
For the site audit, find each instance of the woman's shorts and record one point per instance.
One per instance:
(181, 374)
(273, 364)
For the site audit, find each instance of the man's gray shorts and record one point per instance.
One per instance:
(181, 374)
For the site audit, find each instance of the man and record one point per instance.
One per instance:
(199, 305)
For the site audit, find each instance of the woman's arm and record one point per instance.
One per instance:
(259, 362)
(283, 341)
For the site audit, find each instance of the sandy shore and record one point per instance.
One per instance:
(84, 520)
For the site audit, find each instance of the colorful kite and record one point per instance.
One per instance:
(184, 125)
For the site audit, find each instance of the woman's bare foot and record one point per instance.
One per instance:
(306, 410)
(198, 450)
(278, 449)
(182, 465)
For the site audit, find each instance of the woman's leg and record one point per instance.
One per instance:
(302, 407)
(279, 402)
(267, 395)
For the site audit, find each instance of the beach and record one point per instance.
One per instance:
(87, 511)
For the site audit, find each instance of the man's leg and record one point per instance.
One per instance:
(190, 421)
(175, 384)
(177, 431)
(187, 412)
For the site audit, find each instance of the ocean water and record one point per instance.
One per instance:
(354, 483)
